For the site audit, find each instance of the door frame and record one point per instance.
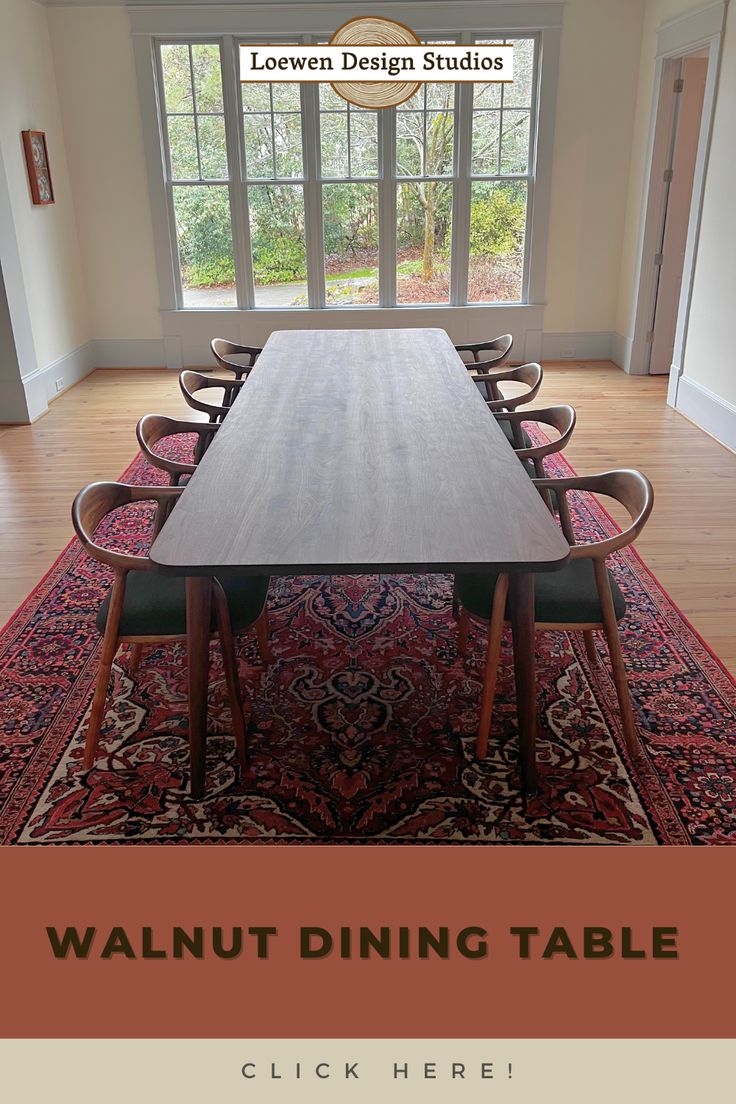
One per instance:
(675, 38)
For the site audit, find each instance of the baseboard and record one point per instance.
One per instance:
(621, 347)
(715, 415)
(129, 353)
(578, 346)
(190, 348)
(51, 380)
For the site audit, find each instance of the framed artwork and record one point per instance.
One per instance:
(37, 163)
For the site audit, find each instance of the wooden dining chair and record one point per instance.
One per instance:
(238, 359)
(560, 418)
(146, 607)
(495, 352)
(582, 597)
(153, 428)
(193, 382)
(529, 376)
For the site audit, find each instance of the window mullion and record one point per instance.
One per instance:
(194, 111)
(460, 247)
(387, 207)
(232, 106)
(312, 196)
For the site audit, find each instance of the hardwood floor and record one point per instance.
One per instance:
(623, 421)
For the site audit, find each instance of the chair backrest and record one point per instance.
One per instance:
(530, 375)
(562, 418)
(496, 351)
(235, 358)
(97, 500)
(153, 428)
(191, 382)
(627, 486)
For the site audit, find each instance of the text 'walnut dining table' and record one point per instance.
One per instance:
(359, 451)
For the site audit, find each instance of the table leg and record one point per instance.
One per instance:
(199, 612)
(521, 609)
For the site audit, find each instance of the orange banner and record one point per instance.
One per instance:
(207, 942)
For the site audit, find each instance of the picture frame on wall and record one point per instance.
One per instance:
(37, 163)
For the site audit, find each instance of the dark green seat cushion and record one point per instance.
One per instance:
(509, 434)
(569, 596)
(154, 604)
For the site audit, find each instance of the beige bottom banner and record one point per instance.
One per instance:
(510, 1071)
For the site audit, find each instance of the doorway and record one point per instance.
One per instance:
(682, 118)
(688, 52)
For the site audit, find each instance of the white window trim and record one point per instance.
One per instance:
(473, 18)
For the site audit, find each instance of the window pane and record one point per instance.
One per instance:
(415, 102)
(424, 143)
(286, 97)
(486, 127)
(329, 99)
(351, 243)
(177, 78)
(256, 97)
(212, 147)
(363, 143)
(497, 227)
(519, 92)
(487, 95)
(207, 78)
(204, 234)
(409, 143)
(183, 147)
(438, 156)
(441, 97)
(334, 143)
(424, 214)
(258, 146)
(515, 142)
(287, 136)
(278, 243)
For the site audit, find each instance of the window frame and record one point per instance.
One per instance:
(524, 19)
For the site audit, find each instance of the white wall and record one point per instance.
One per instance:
(98, 95)
(45, 237)
(595, 110)
(99, 100)
(710, 359)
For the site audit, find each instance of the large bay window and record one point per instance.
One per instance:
(286, 196)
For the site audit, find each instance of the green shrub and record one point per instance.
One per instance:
(280, 261)
(203, 227)
(497, 219)
(219, 272)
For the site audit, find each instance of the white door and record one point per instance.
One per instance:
(677, 216)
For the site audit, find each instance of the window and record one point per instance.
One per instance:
(197, 168)
(425, 169)
(283, 195)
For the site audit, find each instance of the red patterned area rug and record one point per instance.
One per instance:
(364, 724)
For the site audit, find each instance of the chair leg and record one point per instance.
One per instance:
(136, 652)
(107, 655)
(590, 648)
(462, 633)
(493, 651)
(613, 639)
(232, 681)
(262, 630)
(455, 600)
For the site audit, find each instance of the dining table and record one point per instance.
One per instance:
(359, 451)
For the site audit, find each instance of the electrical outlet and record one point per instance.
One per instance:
(59, 384)
(568, 354)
